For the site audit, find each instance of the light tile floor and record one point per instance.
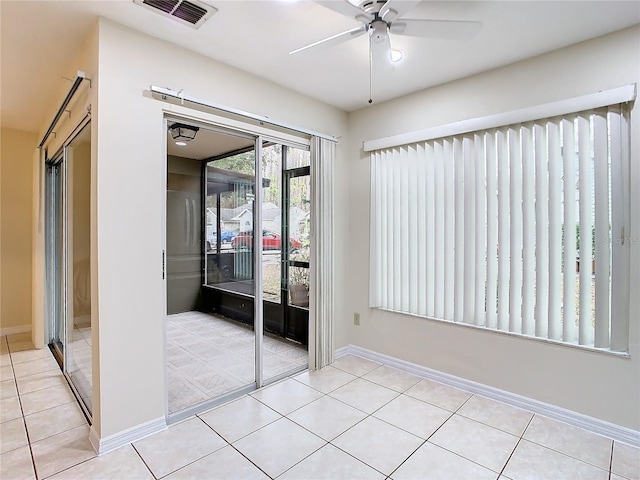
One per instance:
(80, 357)
(208, 356)
(355, 419)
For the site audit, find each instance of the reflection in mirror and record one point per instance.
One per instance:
(210, 283)
(78, 355)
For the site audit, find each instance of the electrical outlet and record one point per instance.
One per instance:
(356, 319)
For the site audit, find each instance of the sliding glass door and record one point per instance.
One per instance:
(237, 263)
(55, 254)
(209, 264)
(285, 241)
(68, 260)
(78, 357)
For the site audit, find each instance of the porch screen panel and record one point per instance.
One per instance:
(508, 229)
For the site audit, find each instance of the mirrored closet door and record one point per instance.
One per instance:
(68, 260)
(237, 262)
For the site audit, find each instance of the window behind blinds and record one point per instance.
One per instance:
(518, 228)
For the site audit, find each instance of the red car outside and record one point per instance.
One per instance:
(270, 241)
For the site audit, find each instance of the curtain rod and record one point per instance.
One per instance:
(167, 92)
(80, 76)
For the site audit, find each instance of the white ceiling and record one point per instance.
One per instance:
(39, 38)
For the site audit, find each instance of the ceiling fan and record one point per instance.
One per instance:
(381, 17)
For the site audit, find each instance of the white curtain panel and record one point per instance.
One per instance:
(321, 302)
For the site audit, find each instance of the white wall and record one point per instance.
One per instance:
(131, 173)
(594, 384)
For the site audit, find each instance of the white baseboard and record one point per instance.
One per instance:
(610, 430)
(117, 440)
(14, 330)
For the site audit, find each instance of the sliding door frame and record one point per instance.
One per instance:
(55, 254)
(61, 269)
(259, 138)
(258, 307)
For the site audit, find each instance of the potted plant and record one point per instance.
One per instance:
(299, 286)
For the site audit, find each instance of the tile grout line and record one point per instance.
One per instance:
(407, 431)
(250, 461)
(341, 433)
(71, 466)
(407, 459)
(246, 435)
(31, 443)
(358, 459)
(404, 392)
(515, 446)
(228, 444)
(563, 453)
(372, 413)
(427, 403)
(301, 426)
(145, 463)
(435, 431)
(509, 457)
(286, 470)
(522, 436)
(611, 459)
(331, 391)
(368, 415)
(430, 436)
(571, 456)
(24, 421)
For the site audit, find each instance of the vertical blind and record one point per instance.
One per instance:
(518, 228)
(322, 260)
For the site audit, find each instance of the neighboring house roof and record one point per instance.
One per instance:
(244, 213)
(211, 215)
(228, 214)
(270, 214)
(270, 211)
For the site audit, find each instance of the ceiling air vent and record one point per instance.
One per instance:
(190, 12)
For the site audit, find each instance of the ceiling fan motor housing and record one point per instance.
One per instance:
(379, 30)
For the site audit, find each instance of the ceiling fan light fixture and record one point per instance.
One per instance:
(396, 55)
(183, 133)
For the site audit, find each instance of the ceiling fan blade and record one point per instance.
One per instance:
(445, 29)
(335, 39)
(396, 8)
(381, 54)
(345, 8)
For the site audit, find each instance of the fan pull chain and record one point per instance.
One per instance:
(370, 71)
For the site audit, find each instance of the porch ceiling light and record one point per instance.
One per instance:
(183, 133)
